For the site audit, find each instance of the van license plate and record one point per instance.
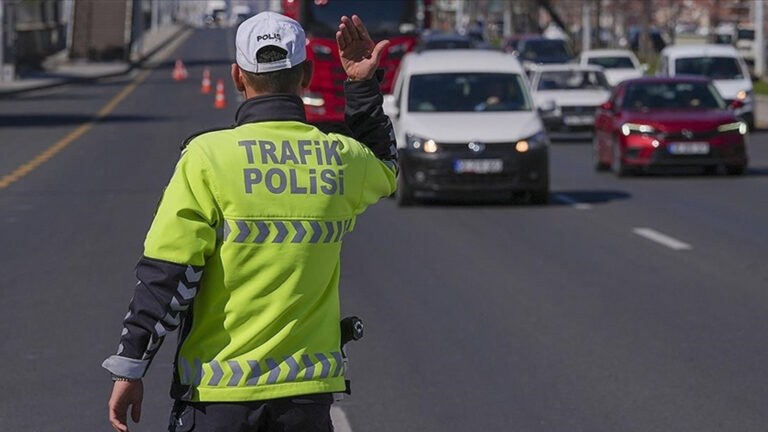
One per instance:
(578, 120)
(689, 148)
(478, 166)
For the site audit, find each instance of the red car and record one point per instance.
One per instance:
(668, 121)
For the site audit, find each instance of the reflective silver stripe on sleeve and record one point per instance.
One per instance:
(125, 366)
(160, 330)
(192, 275)
(185, 292)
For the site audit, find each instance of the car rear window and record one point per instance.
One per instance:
(454, 92)
(572, 80)
(545, 48)
(675, 95)
(713, 67)
(612, 62)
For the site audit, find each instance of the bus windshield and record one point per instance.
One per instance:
(383, 18)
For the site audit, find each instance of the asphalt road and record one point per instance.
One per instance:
(478, 318)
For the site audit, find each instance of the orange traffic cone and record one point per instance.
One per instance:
(205, 88)
(179, 71)
(221, 100)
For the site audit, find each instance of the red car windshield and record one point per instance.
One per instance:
(382, 18)
(674, 95)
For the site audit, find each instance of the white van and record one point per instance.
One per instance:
(466, 126)
(722, 64)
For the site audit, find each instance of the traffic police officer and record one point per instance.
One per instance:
(243, 253)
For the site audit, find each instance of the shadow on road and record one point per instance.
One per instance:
(575, 197)
(757, 172)
(521, 200)
(35, 120)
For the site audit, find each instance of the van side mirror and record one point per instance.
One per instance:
(390, 106)
(607, 106)
(547, 107)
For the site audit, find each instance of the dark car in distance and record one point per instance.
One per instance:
(669, 121)
(540, 50)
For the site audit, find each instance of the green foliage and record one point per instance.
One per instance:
(761, 87)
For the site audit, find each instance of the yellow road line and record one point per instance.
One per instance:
(48, 153)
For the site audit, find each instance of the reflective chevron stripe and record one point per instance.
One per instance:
(230, 373)
(286, 231)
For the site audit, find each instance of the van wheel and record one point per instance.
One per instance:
(540, 196)
(735, 170)
(404, 194)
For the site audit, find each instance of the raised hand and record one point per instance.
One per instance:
(359, 55)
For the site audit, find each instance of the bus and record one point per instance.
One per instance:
(400, 21)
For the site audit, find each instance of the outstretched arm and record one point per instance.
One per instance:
(363, 113)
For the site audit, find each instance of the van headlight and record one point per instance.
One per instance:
(539, 139)
(739, 126)
(423, 144)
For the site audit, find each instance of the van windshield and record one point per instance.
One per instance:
(475, 91)
(712, 67)
(573, 80)
(620, 62)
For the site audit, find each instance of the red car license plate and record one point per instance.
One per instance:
(689, 148)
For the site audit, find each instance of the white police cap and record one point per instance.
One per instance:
(269, 29)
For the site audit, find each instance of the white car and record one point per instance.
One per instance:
(618, 65)
(466, 127)
(570, 93)
(722, 64)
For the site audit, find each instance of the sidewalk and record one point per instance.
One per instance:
(761, 111)
(85, 71)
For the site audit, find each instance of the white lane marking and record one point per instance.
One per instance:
(663, 239)
(340, 421)
(565, 199)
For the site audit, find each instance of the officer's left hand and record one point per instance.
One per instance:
(359, 55)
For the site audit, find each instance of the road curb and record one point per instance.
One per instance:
(86, 80)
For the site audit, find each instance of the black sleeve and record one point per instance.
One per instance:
(365, 117)
(163, 294)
